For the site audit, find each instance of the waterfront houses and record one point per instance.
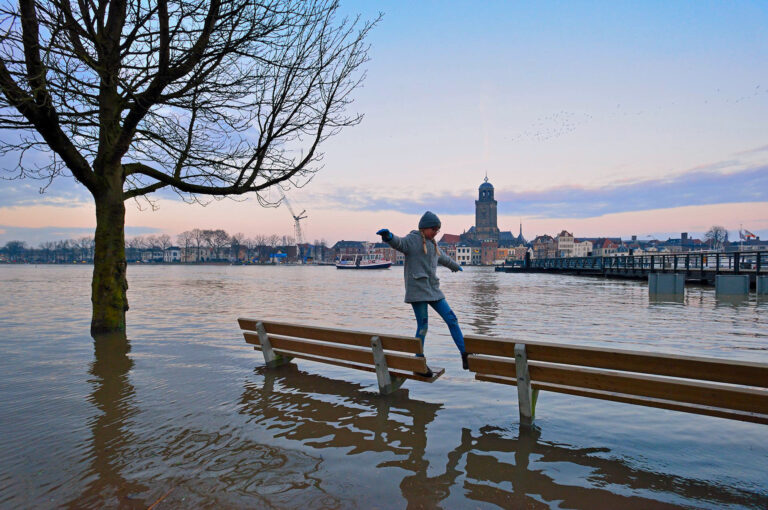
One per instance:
(544, 247)
(564, 244)
(582, 248)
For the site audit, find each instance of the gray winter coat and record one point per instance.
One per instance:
(420, 272)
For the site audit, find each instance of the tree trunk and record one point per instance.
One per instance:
(109, 286)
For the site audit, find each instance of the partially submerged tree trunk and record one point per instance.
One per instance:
(109, 286)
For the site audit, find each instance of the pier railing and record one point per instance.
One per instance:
(704, 265)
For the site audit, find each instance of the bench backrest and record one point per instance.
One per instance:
(726, 388)
(336, 346)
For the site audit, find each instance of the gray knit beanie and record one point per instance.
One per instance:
(429, 219)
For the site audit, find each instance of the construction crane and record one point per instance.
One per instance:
(296, 221)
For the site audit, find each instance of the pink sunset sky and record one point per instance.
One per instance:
(644, 119)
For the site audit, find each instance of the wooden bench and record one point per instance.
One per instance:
(728, 389)
(393, 358)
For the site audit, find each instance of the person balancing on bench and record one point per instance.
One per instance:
(422, 286)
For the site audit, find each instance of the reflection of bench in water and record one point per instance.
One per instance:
(392, 357)
(482, 465)
(728, 389)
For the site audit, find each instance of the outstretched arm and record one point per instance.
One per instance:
(445, 260)
(391, 239)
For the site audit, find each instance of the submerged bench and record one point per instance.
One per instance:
(392, 357)
(723, 388)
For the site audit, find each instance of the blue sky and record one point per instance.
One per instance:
(601, 118)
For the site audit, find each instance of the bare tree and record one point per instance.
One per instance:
(48, 248)
(198, 238)
(260, 240)
(85, 244)
(60, 250)
(219, 239)
(208, 98)
(235, 242)
(164, 241)
(135, 245)
(15, 250)
(152, 242)
(185, 240)
(716, 236)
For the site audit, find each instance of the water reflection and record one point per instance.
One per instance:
(485, 303)
(485, 465)
(115, 398)
(727, 300)
(666, 299)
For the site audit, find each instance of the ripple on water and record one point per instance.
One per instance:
(189, 418)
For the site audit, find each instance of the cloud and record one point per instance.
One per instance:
(34, 236)
(63, 192)
(688, 189)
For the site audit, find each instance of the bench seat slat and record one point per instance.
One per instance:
(436, 371)
(631, 399)
(687, 367)
(340, 352)
(692, 392)
(641, 385)
(357, 338)
(492, 366)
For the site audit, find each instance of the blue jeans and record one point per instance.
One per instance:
(443, 308)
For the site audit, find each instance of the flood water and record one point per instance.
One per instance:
(189, 418)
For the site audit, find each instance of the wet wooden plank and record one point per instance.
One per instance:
(754, 400)
(340, 352)
(630, 399)
(688, 367)
(341, 336)
(436, 371)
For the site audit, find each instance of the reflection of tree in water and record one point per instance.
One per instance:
(324, 413)
(484, 300)
(176, 464)
(114, 396)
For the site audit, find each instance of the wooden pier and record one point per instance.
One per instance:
(698, 267)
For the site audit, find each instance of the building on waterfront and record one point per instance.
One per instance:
(448, 244)
(564, 244)
(172, 254)
(605, 248)
(384, 251)
(343, 248)
(486, 221)
(582, 248)
(464, 254)
(486, 226)
(544, 247)
(488, 253)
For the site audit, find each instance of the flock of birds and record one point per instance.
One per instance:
(562, 123)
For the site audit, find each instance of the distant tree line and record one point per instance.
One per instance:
(202, 244)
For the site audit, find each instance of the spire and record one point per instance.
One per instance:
(486, 176)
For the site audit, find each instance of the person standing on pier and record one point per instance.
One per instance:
(422, 286)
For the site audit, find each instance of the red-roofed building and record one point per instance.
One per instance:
(450, 239)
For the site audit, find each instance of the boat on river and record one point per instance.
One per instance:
(362, 262)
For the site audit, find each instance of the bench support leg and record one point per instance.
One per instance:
(387, 384)
(270, 358)
(526, 399)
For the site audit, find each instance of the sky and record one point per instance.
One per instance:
(601, 118)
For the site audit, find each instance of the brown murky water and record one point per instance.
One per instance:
(188, 418)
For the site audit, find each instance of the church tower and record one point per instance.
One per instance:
(485, 213)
